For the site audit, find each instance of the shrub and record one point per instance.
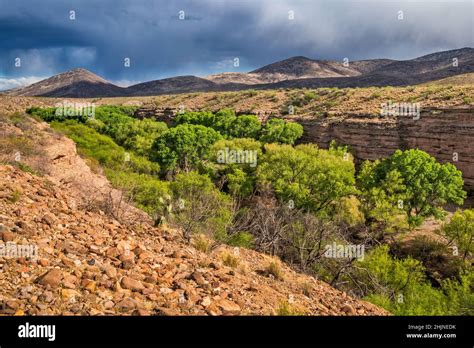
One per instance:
(348, 211)
(400, 286)
(436, 256)
(275, 270)
(285, 309)
(146, 191)
(204, 209)
(230, 260)
(460, 230)
(202, 243)
(310, 95)
(306, 288)
(15, 196)
(241, 239)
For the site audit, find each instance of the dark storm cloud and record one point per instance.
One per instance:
(214, 32)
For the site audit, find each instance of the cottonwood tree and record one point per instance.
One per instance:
(181, 148)
(279, 131)
(311, 177)
(419, 181)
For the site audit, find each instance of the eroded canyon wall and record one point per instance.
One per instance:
(446, 134)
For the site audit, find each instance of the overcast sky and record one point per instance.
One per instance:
(214, 32)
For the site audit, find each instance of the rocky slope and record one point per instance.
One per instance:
(178, 84)
(97, 255)
(458, 80)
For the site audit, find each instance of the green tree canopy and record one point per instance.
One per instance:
(245, 126)
(233, 163)
(311, 177)
(279, 131)
(203, 118)
(183, 147)
(415, 178)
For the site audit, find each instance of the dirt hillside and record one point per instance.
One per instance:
(91, 260)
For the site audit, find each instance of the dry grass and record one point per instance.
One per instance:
(15, 196)
(285, 309)
(310, 102)
(274, 268)
(201, 243)
(230, 260)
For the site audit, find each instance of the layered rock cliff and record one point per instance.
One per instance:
(447, 134)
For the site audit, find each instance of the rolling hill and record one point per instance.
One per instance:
(79, 83)
(294, 72)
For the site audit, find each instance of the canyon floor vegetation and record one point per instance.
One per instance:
(292, 200)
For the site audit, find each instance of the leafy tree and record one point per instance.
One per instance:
(103, 149)
(58, 114)
(422, 184)
(382, 204)
(202, 209)
(311, 177)
(233, 164)
(245, 126)
(183, 147)
(460, 230)
(279, 131)
(224, 121)
(203, 118)
(133, 134)
(139, 135)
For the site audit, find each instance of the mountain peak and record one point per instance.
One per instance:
(299, 58)
(77, 82)
(302, 67)
(80, 74)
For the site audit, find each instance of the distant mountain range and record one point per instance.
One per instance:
(294, 72)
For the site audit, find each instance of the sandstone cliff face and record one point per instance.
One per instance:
(447, 134)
